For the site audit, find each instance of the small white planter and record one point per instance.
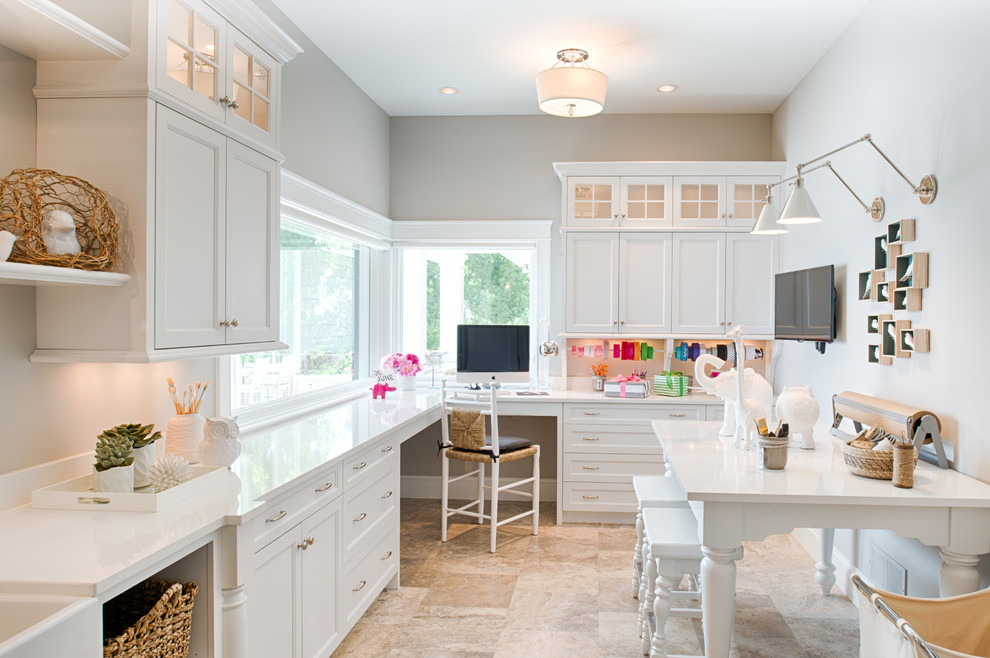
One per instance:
(407, 383)
(144, 459)
(183, 434)
(119, 479)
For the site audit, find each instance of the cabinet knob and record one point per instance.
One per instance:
(622, 321)
(590, 468)
(278, 517)
(723, 215)
(591, 438)
(360, 517)
(306, 543)
(324, 487)
(676, 415)
(386, 556)
(387, 494)
(590, 497)
(591, 413)
(229, 102)
(233, 323)
(386, 449)
(359, 587)
(224, 323)
(358, 467)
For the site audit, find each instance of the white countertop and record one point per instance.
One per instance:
(86, 553)
(711, 470)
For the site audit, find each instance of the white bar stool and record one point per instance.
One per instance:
(651, 491)
(671, 549)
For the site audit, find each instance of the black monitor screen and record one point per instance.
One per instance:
(804, 304)
(492, 348)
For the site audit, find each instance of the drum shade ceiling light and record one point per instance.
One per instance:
(570, 88)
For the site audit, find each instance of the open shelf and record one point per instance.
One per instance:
(44, 31)
(26, 274)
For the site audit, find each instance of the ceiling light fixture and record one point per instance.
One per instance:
(448, 91)
(570, 88)
(800, 209)
(666, 89)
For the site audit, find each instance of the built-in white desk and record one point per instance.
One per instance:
(735, 502)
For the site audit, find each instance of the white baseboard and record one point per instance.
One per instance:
(428, 486)
(844, 567)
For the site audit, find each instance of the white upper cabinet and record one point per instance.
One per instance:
(618, 283)
(612, 201)
(719, 200)
(751, 264)
(211, 66)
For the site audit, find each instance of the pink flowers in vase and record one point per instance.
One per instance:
(406, 365)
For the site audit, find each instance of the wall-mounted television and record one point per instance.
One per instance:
(492, 353)
(804, 305)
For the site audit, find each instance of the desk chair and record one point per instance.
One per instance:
(464, 439)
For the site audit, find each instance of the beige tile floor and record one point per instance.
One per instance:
(566, 592)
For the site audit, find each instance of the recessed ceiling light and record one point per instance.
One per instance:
(666, 89)
(449, 91)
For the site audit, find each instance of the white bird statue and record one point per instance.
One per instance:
(58, 230)
(220, 445)
(7, 240)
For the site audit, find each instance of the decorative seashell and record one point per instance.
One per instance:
(169, 471)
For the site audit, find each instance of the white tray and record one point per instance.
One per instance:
(78, 494)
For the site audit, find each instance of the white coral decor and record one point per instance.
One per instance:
(169, 471)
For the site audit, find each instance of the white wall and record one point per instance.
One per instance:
(916, 76)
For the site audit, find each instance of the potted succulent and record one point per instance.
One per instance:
(144, 448)
(114, 467)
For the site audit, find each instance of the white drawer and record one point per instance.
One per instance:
(599, 497)
(364, 577)
(286, 511)
(631, 412)
(581, 467)
(628, 439)
(368, 509)
(361, 463)
(715, 412)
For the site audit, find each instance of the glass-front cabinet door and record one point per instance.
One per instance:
(191, 55)
(646, 201)
(699, 201)
(746, 198)
(251, 86)
(593, 201)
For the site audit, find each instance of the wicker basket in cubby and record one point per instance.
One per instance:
(151, 620)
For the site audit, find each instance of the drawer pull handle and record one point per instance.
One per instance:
(590, 497)
(387, 494)
(360, 587)
(677, 415)
(306, 543)
(360, 517)
(386, 449)
(324, 487)
(358, 467)
(387, 556)
(592, 413)
(278, 517)
(591, 438)
(590, 468)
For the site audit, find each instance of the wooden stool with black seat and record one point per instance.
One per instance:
(464, 439)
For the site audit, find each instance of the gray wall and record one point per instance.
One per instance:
(921, 88)
(332, 133)
(499, 167)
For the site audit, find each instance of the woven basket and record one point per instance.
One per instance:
(150, 620)
(870, 463)
(26, 198)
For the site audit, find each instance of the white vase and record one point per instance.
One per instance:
(144, 459)
(407, 383)
(183, 434)
(119, 479)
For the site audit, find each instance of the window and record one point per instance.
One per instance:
(324, 320)
(444, 287)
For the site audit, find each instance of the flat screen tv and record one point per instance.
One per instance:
(492, 353)
(804, 305)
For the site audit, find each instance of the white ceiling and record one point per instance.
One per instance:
(725, 55)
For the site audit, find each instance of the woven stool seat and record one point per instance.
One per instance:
(483, 457)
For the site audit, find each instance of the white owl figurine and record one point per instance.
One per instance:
(797, 407)
(220, 445)
(58, 230)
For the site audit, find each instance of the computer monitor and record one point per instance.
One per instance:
(492, 353)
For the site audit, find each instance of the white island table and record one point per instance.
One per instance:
(735, 502)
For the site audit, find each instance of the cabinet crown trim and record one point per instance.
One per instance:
(259, 28)
(669, 168)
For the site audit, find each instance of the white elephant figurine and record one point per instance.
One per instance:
(756, 388)
(797, 407)
(220, 445)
